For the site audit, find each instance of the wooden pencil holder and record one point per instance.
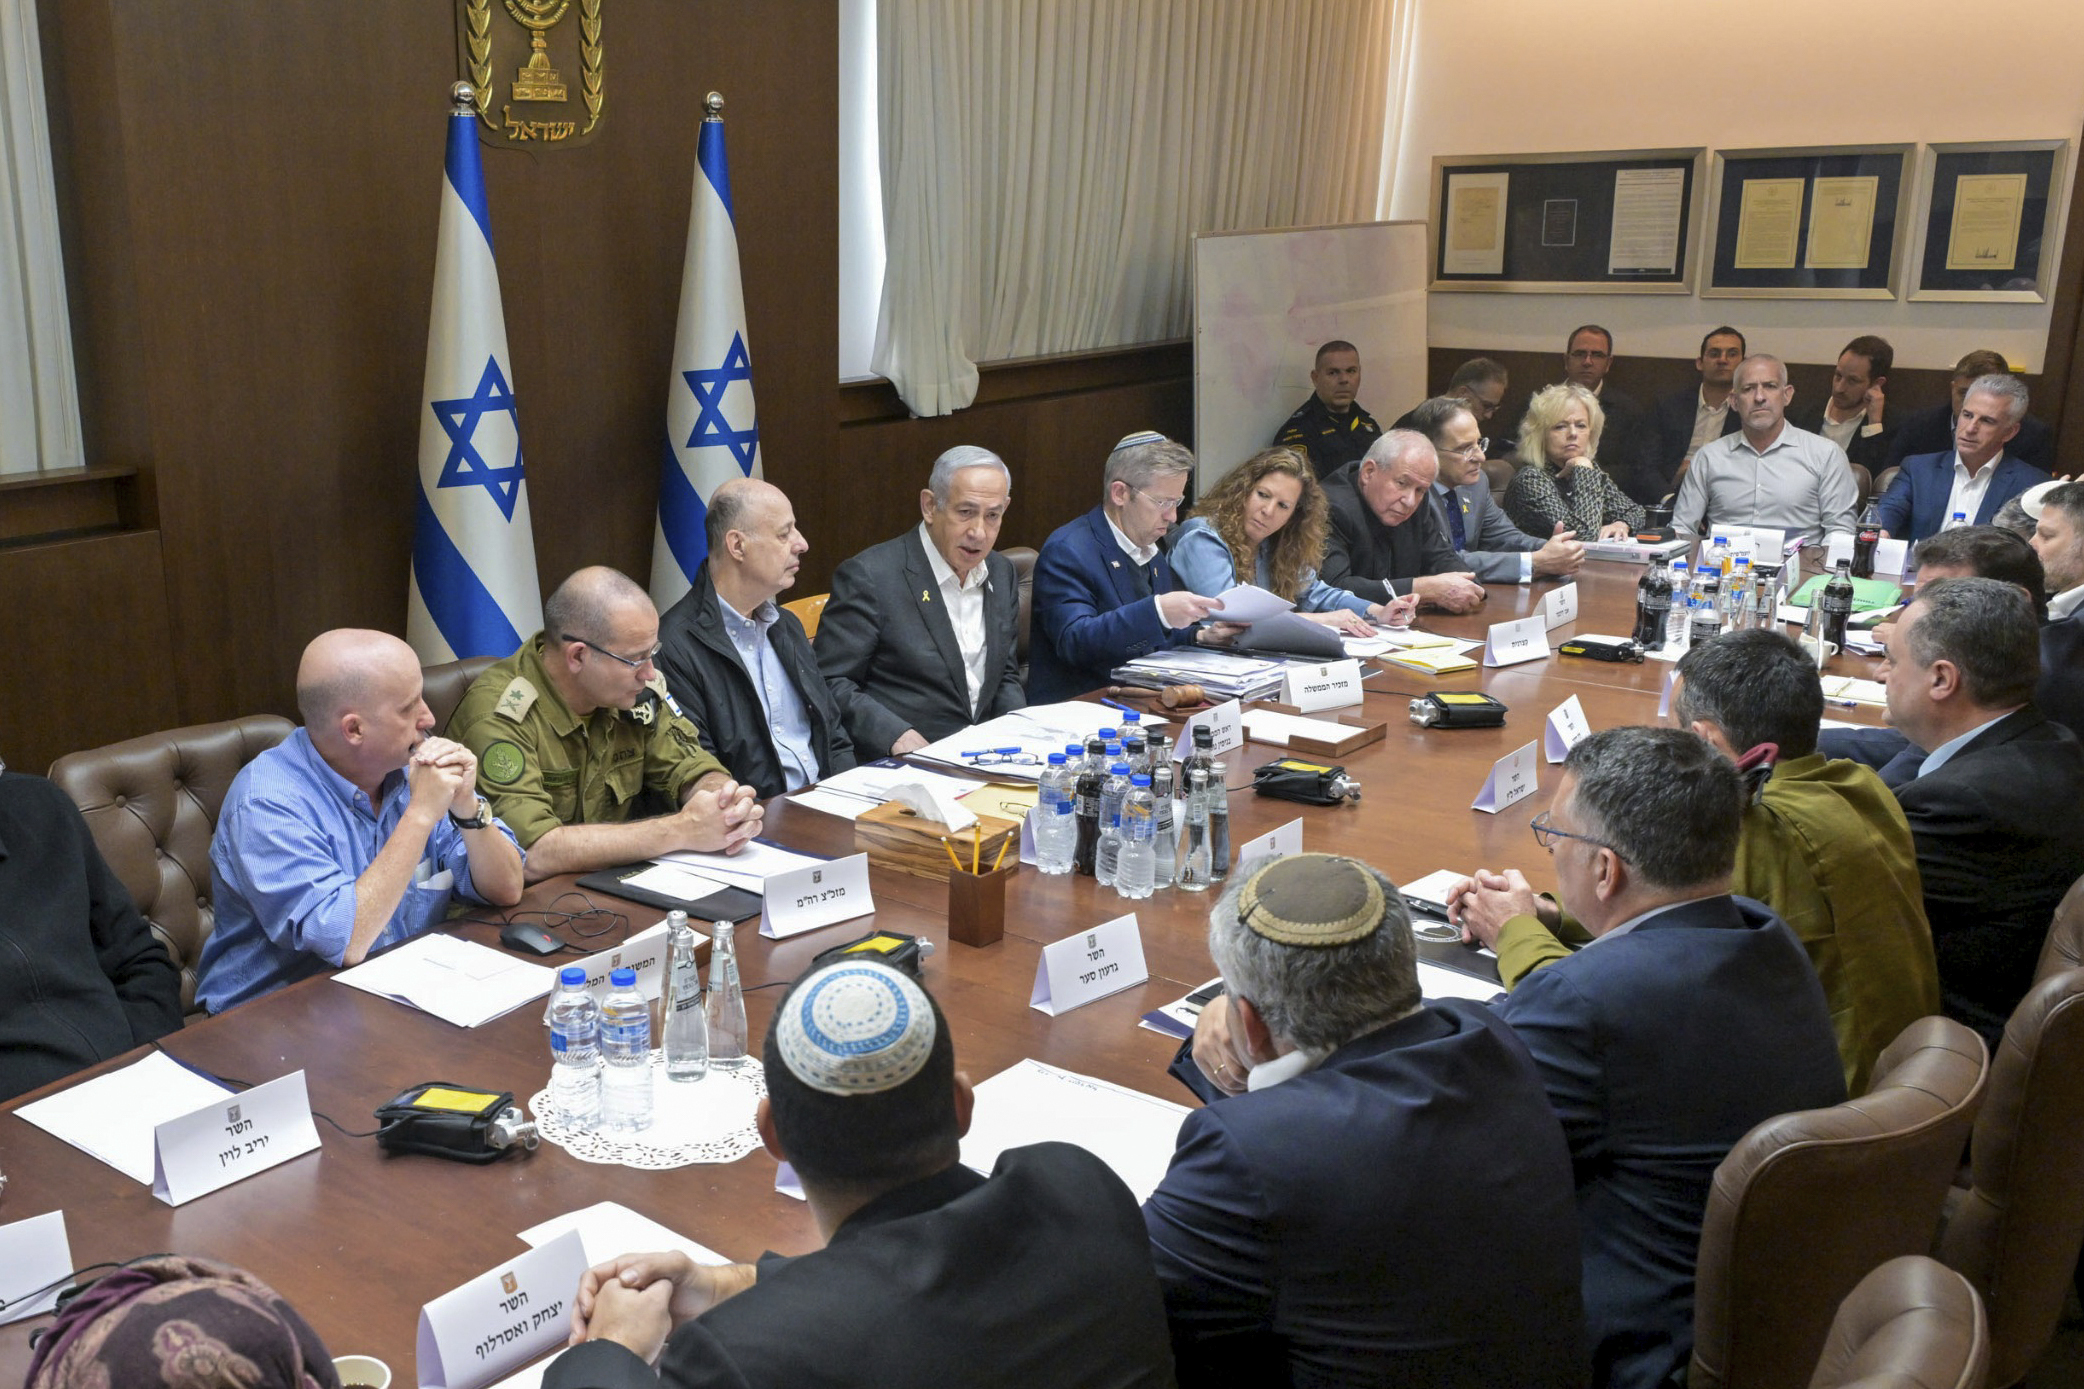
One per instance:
(977, 905)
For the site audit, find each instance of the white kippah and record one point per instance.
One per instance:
(1141, 436)
(2035, 497)
(856, 1029)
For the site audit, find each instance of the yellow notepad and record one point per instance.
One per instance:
(1430, 660)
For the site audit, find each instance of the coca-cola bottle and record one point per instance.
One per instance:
(1864, 543)
(1836, 605)
(1653, 603)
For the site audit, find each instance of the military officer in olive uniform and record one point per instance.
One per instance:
(571, 729)
(1330, 426)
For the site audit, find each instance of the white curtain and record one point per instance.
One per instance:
(1045, 162)
(39, 403)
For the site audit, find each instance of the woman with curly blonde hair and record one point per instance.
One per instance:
(1267, 518)
(1558, 481)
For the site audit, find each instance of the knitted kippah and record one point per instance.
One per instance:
(1141, 436)
(856, 1029)
(1312, 900)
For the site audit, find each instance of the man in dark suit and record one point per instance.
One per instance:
(1485, 540)
(1853, 416)
(1692, 1016)
(1684, 420)
(2058, 539)
(738, 661)
(1331, 427)
(1932, 430)
(1626, 450)
(1285, 1255)
(1385, 541)
(931, 1274)
(1995, 805)
(1103, 590)
(1977, 476)
(930, 665)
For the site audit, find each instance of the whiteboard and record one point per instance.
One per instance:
(1264, 300)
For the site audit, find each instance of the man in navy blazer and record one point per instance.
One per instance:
(1691, 1017)
(931, 665)
(1103, 590)
(1931, 430)
(1486, 542)
(1995, 803)
(1378, 1193)
(1976, 477)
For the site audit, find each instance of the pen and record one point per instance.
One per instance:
(1843, 703)
(1117, 704)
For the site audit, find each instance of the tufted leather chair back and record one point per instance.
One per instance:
(151, 804)
(1913, 1321)
(2015, 1231)
(1808, 1203)
(1024, 566)
(444, 686)
(2064, 948)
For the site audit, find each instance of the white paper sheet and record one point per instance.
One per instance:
(1133, 1133)
(749, 868)
(834, 803)
(1249, 603)
(1437, 981)
(674, 880)
(609, 1229)
(458, 981)
(112, 1116)
(34, 1253)
(1281, 730)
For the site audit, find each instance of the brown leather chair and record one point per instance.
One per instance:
(1499, 472)
(809, 611)
(151, 804)
(1024, 565)
(1885, 479)
(444, 686)
(1911, 1322)
(1808, 1203)
(1863, 484)
(2064, 948)
(1678, 477)
(2015, 1231)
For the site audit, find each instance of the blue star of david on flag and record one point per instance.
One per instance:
(712, 430)
(465, 466)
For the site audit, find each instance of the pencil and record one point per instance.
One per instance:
(950, 847)
(976, 846)
(1002, 853)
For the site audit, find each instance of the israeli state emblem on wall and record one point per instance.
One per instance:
(536, 68)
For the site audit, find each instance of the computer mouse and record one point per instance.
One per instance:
(523, 935)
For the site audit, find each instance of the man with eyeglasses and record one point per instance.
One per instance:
(1692, 1016)
(1588, 355)
(1330, 426)
(1486, 542)
(576, 730)
(1104, 590)
(1386, 540)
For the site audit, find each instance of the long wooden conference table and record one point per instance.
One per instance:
(359, 1241)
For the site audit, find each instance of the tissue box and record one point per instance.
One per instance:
(893, 837)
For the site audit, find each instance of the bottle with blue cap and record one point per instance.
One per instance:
(1109, 851)
(1054, 825)
(575, 1051)
(626, 1056)
(1137, 866)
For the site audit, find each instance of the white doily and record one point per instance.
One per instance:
(710, 1120)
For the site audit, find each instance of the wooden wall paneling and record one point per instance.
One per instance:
(2064, 384)
(97, 665)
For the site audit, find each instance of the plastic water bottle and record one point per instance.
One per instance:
(686, 1026)
(1108, 856)
(1164, 832)
(726, 1003)
(1959, 518)
(1136, 752)
(1092, 777)
(626, 1052)
(1676, 615)
(575, 1051)
(1706, 623)
(1218, 823)
(1133, 875)
(1055, 825)
(1653, 601)
(1193, 854)
(1736, 596)
(1720, 556)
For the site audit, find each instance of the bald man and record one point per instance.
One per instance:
(350, 835)
(576, 735)
(740, 664)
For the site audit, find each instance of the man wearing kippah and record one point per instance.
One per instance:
(932, 1275)
(1378, 1193)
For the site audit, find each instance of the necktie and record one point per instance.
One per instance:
(1455, 530)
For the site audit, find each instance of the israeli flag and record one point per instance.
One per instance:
(712, 434)
(473, 590)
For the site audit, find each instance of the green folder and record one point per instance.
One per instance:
(1867, 594)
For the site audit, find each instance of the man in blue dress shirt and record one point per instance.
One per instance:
(351, 834)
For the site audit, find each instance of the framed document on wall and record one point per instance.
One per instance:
(1991, 227)
(1812, 223)
(1619, 222)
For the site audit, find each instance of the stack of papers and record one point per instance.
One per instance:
(1249, 603)
(1859, 691)
(1437, 981)
(112, 1117)
(456, 980)
(1133, 1133)
(1430, 660)
(852, 793)
(1411, 639)
(749, 868)
(1281, 730)
(1222, 674)
(1036, 731)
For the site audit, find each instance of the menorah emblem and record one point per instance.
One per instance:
(537, 80)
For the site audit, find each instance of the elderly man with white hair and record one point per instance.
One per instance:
(350, 834)
(926, 626)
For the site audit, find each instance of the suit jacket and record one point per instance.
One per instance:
(1039, 1276)
(1291, 1252)
(705, 674)
(1495, 543)
(1997, 833)
(1670, 430)
(2060, 695)
(1088, 614)
(1870, 451)
(900, 650)
(1628, 446)
(1660, 1049)
(1378, 562)
(1931, 430)
(1915, 504)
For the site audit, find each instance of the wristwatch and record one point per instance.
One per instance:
(477, 821)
